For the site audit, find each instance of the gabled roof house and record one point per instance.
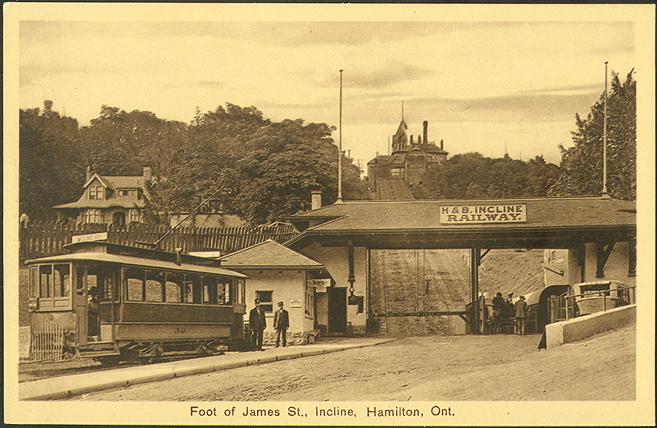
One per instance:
(110, 199)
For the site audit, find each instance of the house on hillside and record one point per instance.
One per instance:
(109, 199)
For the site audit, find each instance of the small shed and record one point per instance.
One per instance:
(279, 274)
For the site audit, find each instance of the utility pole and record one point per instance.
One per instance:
(339, 201)
(604, 143)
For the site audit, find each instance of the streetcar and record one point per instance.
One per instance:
(117, 302)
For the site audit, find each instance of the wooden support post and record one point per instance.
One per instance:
(580, 252)
(602, 255)
(475, 255)
(352, 277)
(631, 255)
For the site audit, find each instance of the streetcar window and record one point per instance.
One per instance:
(222, 293)
(109, 290)
(62, 280)
(45, 280)
(134, 279)
(242, 286)
(79, 279)
(154, 286)
(33, 289)
(192, 292)
(233, 292)
(210, 290)
(174, 287)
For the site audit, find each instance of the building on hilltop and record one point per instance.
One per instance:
(110, 199)
(409, 158)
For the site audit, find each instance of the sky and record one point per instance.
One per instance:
(491, 87)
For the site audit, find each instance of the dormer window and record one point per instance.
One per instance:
(123, 192)
(96, 192)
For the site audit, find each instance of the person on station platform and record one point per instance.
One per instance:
(510, 307)
(257, 324)
(281, 324)
(521, 315)
(499, 309)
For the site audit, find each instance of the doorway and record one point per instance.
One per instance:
(118, 218)
(337, 310)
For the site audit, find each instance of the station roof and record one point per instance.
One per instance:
(269, 255)
(550, 223)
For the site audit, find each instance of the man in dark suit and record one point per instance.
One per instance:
(257, 324)
(281, 323)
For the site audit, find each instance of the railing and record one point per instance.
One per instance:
(565, 307)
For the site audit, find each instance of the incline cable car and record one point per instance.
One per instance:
(127, 303)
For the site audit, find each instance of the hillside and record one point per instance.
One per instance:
(407, 281)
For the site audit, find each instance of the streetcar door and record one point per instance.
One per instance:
(86, 291)
(80, 304)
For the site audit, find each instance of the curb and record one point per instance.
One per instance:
(188, 371)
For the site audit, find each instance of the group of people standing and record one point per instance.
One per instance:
(258, 324)
(507, 310)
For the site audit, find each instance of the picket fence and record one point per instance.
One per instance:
(45, 238)
(47, 344)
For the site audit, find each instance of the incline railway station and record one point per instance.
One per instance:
(597, 236)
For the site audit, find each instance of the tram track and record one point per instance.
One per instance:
(398, 280)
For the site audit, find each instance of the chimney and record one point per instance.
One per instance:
(425, 132)
(89, 174)
(315, 199)
(411, 139)
(148, 173)
(441, 144)
(419, 139)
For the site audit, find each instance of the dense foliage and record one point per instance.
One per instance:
(257, 168)
(471, 175)
(582, 163)
(50, 165)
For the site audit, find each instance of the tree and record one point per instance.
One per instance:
(121, 143)
(582, 163)
(262, 170)
(472, 175)
(50, 170)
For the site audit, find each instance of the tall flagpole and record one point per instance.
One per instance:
(604, 142)
(340, 147)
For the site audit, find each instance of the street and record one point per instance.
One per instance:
(502, 367)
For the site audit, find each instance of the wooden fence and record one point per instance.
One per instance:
(45, 238)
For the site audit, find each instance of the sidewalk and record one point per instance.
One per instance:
(65, 386)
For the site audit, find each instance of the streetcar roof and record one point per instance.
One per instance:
(136, 261)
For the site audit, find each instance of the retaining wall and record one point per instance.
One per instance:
(586, 326)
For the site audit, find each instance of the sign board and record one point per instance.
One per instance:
(206, 254)
(89, 237)
(295, 303)
(320, 284)
(24, 342)
(477, 214)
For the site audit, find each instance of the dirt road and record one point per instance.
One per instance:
(424, 368)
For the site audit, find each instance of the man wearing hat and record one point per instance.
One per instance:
(281, 323)
(521, 315)
(257, 324)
